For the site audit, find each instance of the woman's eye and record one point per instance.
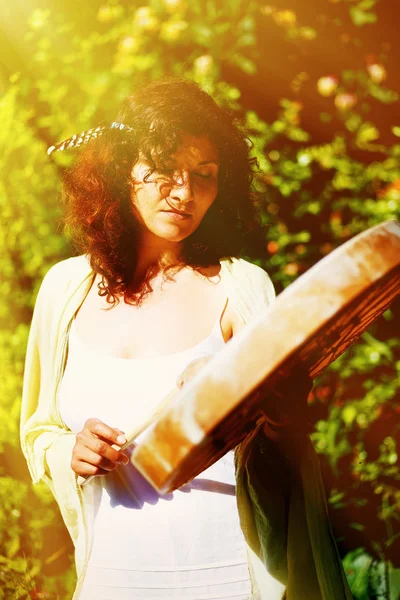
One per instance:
(203, 175)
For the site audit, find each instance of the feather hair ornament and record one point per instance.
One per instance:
(85, 136)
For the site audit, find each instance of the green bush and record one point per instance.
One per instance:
(328, 170)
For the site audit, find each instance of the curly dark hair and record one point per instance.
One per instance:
(97, 189)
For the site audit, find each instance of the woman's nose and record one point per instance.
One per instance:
(182, 187)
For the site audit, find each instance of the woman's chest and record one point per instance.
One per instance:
(175, 317)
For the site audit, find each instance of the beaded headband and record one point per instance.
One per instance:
(85, 136)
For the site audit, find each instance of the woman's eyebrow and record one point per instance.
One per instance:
(199, 164)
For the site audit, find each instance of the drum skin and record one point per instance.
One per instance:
(311, 323)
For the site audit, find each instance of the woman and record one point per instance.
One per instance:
(161, 205)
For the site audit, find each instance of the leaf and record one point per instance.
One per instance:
(366, 133)
(13, 546)
(18, 564)
(357, 526)
(361, 17)
(203, 35)
(394, 579)
(356, 565)
(349, 413)
(244, 63)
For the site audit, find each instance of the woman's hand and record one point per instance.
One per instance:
(96, 450)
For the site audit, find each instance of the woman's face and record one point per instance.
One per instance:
(170, 204)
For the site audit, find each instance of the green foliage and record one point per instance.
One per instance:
(371, 578)
(322, 181)
(32, 544)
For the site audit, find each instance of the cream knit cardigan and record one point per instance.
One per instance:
(282, 509)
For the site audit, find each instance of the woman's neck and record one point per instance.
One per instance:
(158, 255)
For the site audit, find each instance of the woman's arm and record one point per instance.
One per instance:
(38, 426)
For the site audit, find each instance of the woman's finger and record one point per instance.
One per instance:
(99, 447)
(88, 456)
(100, 429)
(84, 469)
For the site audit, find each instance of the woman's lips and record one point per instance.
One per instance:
(177, 215)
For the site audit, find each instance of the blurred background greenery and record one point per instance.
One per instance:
(315, 84)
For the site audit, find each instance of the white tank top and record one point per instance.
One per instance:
(186, 545)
